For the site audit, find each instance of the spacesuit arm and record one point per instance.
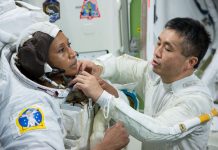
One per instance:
(145, 128)
(41, 130)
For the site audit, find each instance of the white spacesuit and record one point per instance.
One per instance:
(168, 108)
(34, 116)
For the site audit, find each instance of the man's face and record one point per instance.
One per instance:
(62, 56)
(168, 60)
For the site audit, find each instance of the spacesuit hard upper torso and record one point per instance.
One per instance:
(164, 105)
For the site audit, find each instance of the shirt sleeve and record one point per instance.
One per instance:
(163, 128)
(117, 69)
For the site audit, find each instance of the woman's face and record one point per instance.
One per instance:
(61, 55)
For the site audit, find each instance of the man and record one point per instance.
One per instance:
(172, 94)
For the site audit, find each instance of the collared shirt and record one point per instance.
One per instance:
(164, 105)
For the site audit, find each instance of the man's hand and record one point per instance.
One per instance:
(88, 84)
(90, 67)
(107, 87)
(115, 138)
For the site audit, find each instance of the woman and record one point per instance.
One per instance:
(42, 51)
(40, 116)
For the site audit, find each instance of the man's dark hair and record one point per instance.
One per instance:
(196, 39)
